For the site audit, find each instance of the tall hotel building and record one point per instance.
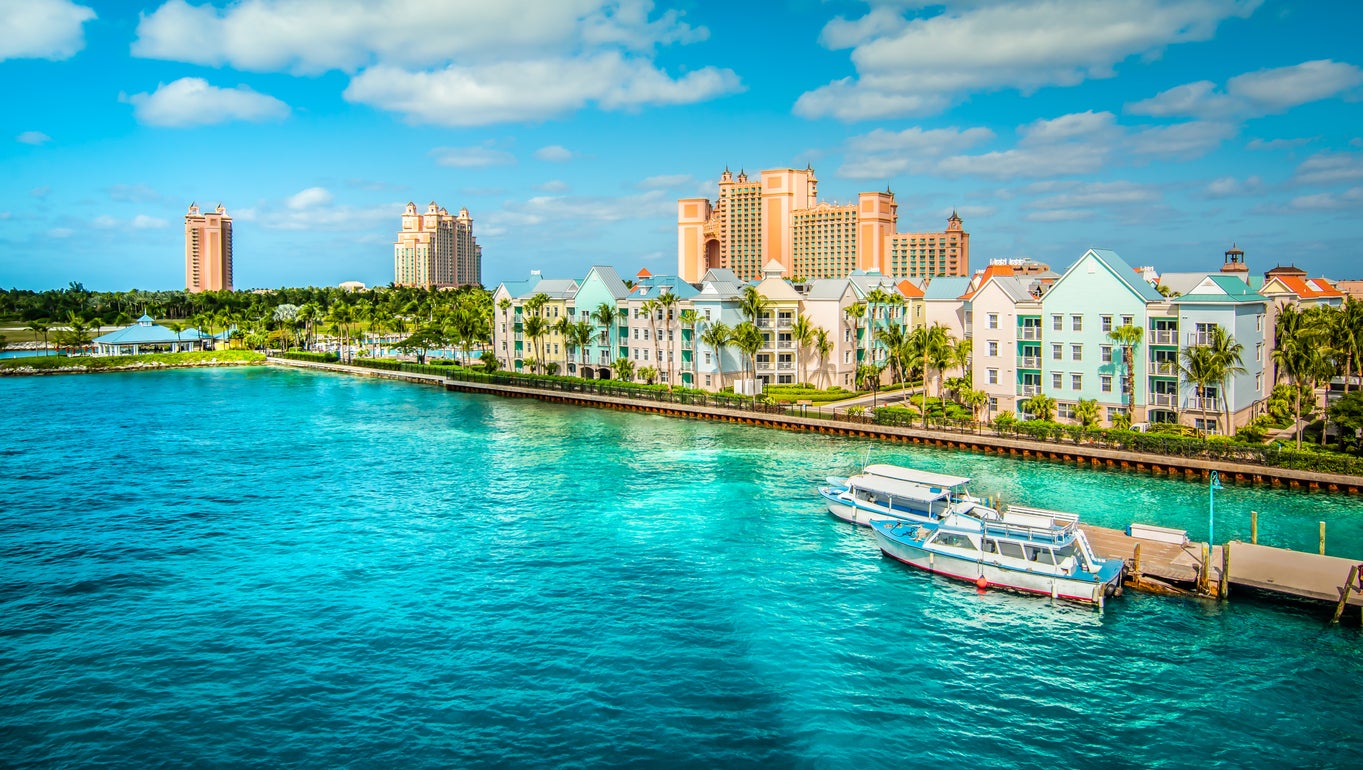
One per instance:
(208, 250)
(436, 250)
(778, 217)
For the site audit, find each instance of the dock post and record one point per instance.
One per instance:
(1322, 538)
(1254, 527)
(1136, 566)
(1344, 593)
(1204, 579)
(1225, 571)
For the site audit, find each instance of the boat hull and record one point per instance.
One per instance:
(971, 570)
(862, 514)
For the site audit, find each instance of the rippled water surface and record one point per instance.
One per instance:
(264, 567)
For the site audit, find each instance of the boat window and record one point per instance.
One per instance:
(952, 540)
(1040, 555)
(1011, 550)
(990, 547)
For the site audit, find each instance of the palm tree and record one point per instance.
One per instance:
(802, 334)
(895, 339)
(752, 304)
(823, 346)
(1296, 354)
(748, 339)
(1128, 337)
(505, 306)
(1198, 365)
(534, 328)
(649, 374)
(974, 399)
(1040, 407)
(176, 327)
(563, 328)
(40, 328)
(580, 335)
(930, 344)
(605, 315)
(854, 314)
(868, 376)
(943, 356)
(667, 304)
(623, 368)
(718, 335)
(874, 300)
(647, 307)
(1226, 355)
(1086, 412)
(1349, 338)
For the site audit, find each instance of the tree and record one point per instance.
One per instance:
(748, 339)
(1086, 412)
(868, 376)
(1040, 407)
(717, 335)
(802, 334)
(177, 327)
(929, 343)
(854, 314)
(823, 346)
(623, 369)
(1296, 354)
(1128, 336)
(580, 336)
(974, 399)
(40, 328)
(1197, 364)
(649, 374)
(534, 328)
(605, 315)
(1347, 413)
(1349, 338)
(1227, 362)
(505, 306)
(564, 329)
(667, 305)
(423, 339)
(648, 307)
(688, 319)
(752, 304)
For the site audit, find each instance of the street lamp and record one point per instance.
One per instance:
(1212, 486)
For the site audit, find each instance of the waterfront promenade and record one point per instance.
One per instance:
(1190, 468)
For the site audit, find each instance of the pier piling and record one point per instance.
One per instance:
(1344, 593)
(1322, 538)
(1254, 527)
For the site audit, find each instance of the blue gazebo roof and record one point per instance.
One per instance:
(146, 332)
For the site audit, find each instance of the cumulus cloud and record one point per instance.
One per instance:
(193, 102)
(553, 186)
(145, 222)
(514, 91)
(42, 29)
(1253, 94)
(1096, 194)
(554, 153)
(456, 63)
(666, 181)
(1229, 187)
(921, 65)
(471, 157)
(1078, 143)
(884, 153)
(309, 198)
(1181, 140)
(1279, 144)
(1348, 199)
(33, 137)
(1329, 168)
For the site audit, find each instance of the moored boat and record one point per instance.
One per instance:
(1021, 549)
(886, 491)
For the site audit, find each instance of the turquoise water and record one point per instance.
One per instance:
(265, 567)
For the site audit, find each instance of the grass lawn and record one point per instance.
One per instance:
(95, 363)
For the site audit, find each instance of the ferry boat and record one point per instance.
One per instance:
(894, 492)
(1022, 549)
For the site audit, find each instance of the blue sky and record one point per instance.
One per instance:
(1162, 130)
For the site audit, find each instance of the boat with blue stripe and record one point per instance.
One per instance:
(892, 492)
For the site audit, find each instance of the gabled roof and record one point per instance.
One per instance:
(1017, 288)
(1304, 288)
(1124, 272)
(655, 286)
(828, 289)
(719, 291)
(557, 288)
(1219, 288)
(777, 288)
(722, 274)
(909, 289)
(866, 282)
(945, 287)
(518, 289)
(610, 279)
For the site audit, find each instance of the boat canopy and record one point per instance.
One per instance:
(904, 490)
(916, 476)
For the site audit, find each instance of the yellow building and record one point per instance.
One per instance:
(778, 217)
(437, 250)
(208, 250)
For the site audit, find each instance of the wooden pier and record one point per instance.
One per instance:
(1156, 566)
(1295, 573)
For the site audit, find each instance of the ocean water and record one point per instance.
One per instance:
(262, 567)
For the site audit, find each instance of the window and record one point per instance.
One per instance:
(1058, 322)
(1057, 351)
(1057, 380)
(1128, 320)
(1077, 322)
(847, 357)
(1105, 323)
(1105, 353)
(1076, 352)
(636, 334)
(707, 380)
(707, 358)
(992, 321)
(991, 376)
(1065, 410)
(1259, 352)
(707, 317)
(993, 403)
(1105, 383)
(1259, 322)
(1259, 382)
(1112, 412)
(1076, 381)
(992, 346)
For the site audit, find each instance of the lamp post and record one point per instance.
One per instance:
(1214, 485)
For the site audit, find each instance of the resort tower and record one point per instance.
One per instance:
(208, 250)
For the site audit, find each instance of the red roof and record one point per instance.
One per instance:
(909, 289)
(643, 273)
(1308, 288)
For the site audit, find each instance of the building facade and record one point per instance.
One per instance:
(779, 218)
(437, 250)
(208, 250)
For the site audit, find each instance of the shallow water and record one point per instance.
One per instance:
(256, 566)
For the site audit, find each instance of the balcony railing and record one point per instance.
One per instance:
(784, 323)
(1029, 332)
(1028, 390)
(764, 323)
(785, 366)
(785, 344)
(1029, 362)
(765, 366)
(1164, 337)
(1204, 404)
(1199, 339)
(1169, 400)
(1163, 369)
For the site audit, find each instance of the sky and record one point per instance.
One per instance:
(1164, 130)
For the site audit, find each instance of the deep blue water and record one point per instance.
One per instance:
(265, 567)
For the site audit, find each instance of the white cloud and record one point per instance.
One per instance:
(1329, 168)
(916, 66)
(530, 90)
(1349, 199)
(309, 198)
(554, 153)
(666, 181)
(144, 222)
(104, 222)
(1181, 140)
(1229, 187)
(193, 102)
(33, 137)
(454, 63)
(553, 186)
(579, 209)
(1254, 94)
(1279, 144)
(133, 193)
(471, 157)
(1095, 194)
(42, 29)
(1078, 143)
(882, 153)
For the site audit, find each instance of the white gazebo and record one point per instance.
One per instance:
(146, 336)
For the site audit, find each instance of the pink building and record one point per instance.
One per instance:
(208, 250)
(437, 250)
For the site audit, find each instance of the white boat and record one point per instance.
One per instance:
(1021, 549)
(869, 496)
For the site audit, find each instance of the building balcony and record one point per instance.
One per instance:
(1164, 337)
(1029, 362)
(785, 345)
(1199, 339)
(784, 323)
(1204, 404)
(1163, 369)
(1029, 332)
(1028, 390)
(785, 366)
(765, 366)
(764, 323)
(1167, 400)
